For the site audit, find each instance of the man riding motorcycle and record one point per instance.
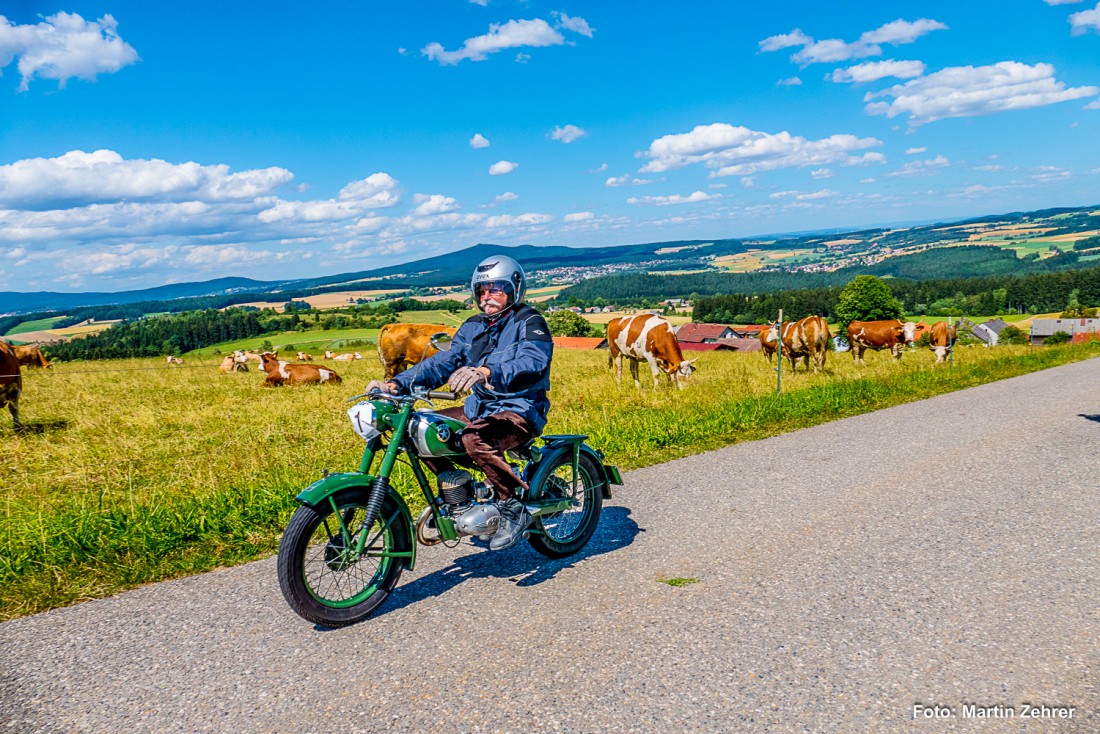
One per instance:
(503, 355)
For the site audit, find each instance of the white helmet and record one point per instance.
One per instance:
(503, 272)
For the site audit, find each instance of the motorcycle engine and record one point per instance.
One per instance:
(481, 519)
(471, 517)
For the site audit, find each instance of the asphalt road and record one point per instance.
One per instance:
(941, 553)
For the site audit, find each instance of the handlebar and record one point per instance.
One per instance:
(418, 395)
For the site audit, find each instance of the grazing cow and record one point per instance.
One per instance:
(892, 334)
(169, 359)
(767, 343)
(285, 373)
(11, 382)
(941, 340)
(233, 363)
(647, 337)
(303, 357)
(805, 339)
(400, 346)
(348, 357)
(30, 356)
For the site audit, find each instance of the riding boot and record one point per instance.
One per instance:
(514, 519)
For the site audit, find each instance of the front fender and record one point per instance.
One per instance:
(325, 487)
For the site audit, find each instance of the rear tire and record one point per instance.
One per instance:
(563, 534)
(322, 578)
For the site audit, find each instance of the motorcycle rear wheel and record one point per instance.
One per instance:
(322, 577)
(564, 533)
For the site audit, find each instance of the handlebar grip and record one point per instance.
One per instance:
(442, 395)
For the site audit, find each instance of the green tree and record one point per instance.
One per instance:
(1012, 335)
(866, 298)
(1058, 337)
(567, 323)
(1073, 307)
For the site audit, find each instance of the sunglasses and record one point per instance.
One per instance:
(490, 290)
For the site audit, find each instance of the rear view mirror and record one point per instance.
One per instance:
(442, 341)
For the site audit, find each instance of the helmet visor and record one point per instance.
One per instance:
(494, 287)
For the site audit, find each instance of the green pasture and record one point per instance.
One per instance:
(131, 471)
(37, 325)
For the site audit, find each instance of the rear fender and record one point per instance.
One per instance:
(574, 445)
(325, 487)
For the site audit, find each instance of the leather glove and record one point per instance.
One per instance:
(386, 387)
(464, 378)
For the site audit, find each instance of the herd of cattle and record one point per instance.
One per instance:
(640, 338)
(649, 338)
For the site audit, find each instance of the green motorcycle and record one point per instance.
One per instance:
(346, 546)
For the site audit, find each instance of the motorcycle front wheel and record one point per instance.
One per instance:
(323, 576)
(564, 533)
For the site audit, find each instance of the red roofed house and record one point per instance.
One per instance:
(703, 333)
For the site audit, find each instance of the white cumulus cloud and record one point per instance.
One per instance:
(479, 141)
(80, 178)
(673, 200)
(914, 151)
(501, 168)
(791, 81)
(506, 196)
(577, 25)
(874, 70)
(578, 217)
(738, 151)
(513, 34)
(63, 46)
(895, 33)
(567, 134)
(915, 168)
(428, 205)
(1085, 21)
(967, 91)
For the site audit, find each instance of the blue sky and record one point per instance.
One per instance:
(148, 143)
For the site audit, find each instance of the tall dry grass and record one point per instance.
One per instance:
(132, 471)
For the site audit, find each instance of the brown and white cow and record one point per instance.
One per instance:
(400, 346)
(233, 363)
(805, 339)
(285, 373)
(647, 337)
(768, 344)
(348, 357)
(11, 382)
(304, 357)
(169, 359)
(892, 334)
(30, 356)
(941, 340)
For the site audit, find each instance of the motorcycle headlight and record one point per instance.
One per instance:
(364, 420)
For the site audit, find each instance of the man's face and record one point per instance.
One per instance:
(493, 299)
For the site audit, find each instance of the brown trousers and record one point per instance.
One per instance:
(485, 441)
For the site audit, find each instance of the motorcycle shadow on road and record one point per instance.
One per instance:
(616, 530)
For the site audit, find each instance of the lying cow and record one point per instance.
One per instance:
(805, 339)
(348, 357)
(400, 346)
(303, 357)
(285, 373)
(647, 337)
(169, 359)
(30, 356)
(892, 335)
(11, 382)
(941, 340)
(233, 363)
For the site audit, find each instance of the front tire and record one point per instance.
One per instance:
(323, 578)
(564, 533)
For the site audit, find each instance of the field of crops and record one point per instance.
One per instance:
(131, 471)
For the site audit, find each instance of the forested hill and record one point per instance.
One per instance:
(951, 262)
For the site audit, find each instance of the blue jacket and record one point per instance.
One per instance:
(517, 348)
